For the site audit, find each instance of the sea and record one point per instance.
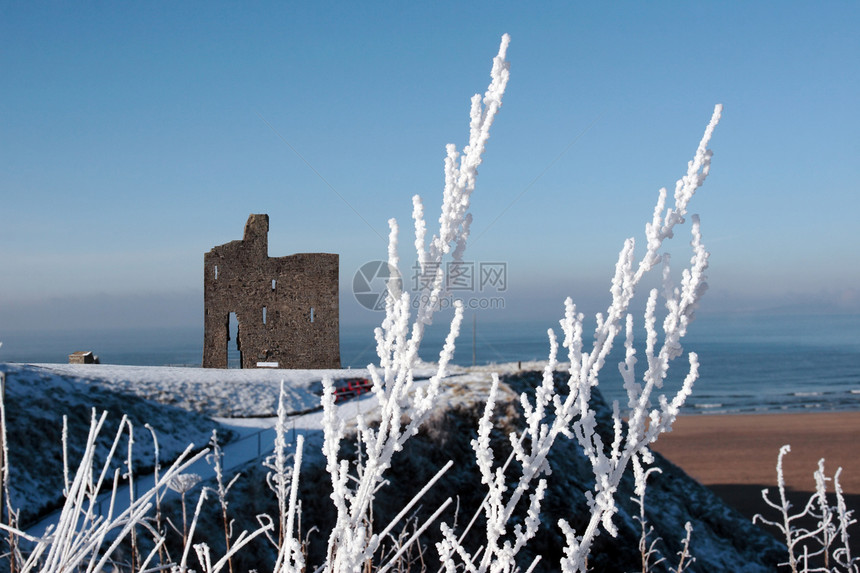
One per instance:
(748, 363)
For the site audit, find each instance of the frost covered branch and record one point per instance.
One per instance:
(831, 524)
(84, 538)
(647, 550)
(284, 482)
(352, 543)
(573, 415)
(216, 459)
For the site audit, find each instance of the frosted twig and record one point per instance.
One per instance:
(684, 557)
(845, 519)
(81, 531)
(831, 522)
(647, 550)
(187, 541)
(573, 416)
(216, 459)
(351, 544)
(793, 535)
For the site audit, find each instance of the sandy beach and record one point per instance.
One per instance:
(735, 455)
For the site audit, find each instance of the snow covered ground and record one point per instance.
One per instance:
(187, 403)
(184, 405)
(209, 391)
(216, 392)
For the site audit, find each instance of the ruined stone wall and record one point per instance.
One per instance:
(286, 307)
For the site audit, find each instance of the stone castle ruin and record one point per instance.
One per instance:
(286, 308)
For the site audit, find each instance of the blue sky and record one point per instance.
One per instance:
(133, 138)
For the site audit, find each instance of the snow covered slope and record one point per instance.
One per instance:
(178, 403)
(171, 400)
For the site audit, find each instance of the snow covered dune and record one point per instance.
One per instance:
(182, 405)
(209, 391)
(38, 397)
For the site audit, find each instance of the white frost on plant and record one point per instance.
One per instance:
(84, 538)
(818, 543)
(283, 480)
(351, 543)
(573, 415)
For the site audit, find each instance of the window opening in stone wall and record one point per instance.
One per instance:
(234, 353)
(216, 272)
(264, 315)
(312, 314)
(273, 284)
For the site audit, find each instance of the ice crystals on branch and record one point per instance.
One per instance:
(283, 480)
(352, 543)
(644, 423)
(828, 540)
(573, 416)
(87, 533)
